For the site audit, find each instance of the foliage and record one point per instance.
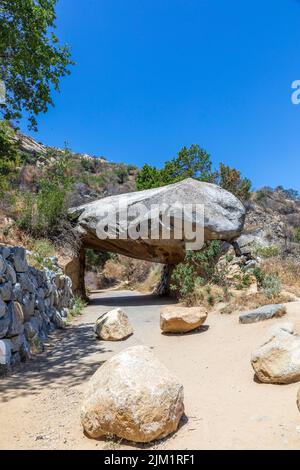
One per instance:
(261, 195)
(148, 177)
(32, 60)
(270, 283)
(43, 248)
(9, 155)
(267, 251)
(231, 179)
(77, 308)
(97, 259)
(198, 268)
(42, 255)
(193, 162)
(44, 212)
(297, 234)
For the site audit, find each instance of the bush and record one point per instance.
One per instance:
(77, 308)
(43, 248)
(267, 251)
(297, 234)
(271, 285)
(45, 212)
(9, 155)
(197, 269)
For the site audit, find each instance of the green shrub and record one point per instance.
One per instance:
(77, 308)
(44, 212)
(44, 248)
(267, 251)
(243, 280)
(9, 156)
(97, 259)
(297, 234)
(198, 268)
(261, 195)
(271, 285)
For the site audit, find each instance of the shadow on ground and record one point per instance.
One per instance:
(71, 356)
(144, 300)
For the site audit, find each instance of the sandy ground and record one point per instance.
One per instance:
(225, 407)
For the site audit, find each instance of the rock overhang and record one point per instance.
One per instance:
(224, 217)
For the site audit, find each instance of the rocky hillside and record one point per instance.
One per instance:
(95, 176)
(273, 222)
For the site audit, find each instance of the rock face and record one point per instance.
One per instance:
(263, 313)
(278, 359)
(224, 217)
(113, 326)
(175, 319)
(272, 217)
(132, 396)
(32, 303)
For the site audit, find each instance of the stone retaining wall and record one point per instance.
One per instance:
(33, 303)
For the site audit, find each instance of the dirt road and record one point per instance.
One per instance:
(225, 407)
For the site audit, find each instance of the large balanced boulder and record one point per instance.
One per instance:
(263, 313)
(113, 325)
(278, 359)
(223, 219)
(132, 396)
(177, 319)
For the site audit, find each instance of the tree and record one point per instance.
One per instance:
(194, 162)
(9, 156)
(231, 179)
(149, 177)
(32, 60)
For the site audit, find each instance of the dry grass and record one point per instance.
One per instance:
(242, 302)
(288, 271)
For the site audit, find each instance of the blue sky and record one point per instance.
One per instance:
(154, 75)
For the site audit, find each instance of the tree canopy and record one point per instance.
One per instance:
(194, 162)
(31, 58)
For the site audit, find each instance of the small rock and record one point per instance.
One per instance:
(278, 359)
(113, 325)
(263, 313)
(177, 319)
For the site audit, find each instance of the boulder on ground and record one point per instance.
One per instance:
(132, 396)
(113, 325)
(263, 313)
(177, 319)
(278, 359)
